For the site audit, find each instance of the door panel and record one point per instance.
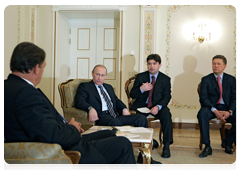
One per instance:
(95, 42)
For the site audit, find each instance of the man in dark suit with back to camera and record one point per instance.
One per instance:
(30, 117)
(218, 100)
(104, 107)
(152, 89)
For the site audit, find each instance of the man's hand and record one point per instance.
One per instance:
(154, 110)
(125, 112)
(76, 124)
(146, 86)
(93, 116)
(225, 114)
(218, 114)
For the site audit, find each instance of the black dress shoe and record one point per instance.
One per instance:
(228, 150)
(224, 144)
(140, 160)
(166, 152)
(207, 151)
(155, 144)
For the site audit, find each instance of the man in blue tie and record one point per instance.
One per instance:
(30, 117)
(218, 100)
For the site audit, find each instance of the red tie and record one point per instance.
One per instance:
(150, 93)
(220, 88)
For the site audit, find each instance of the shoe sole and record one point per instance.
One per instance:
(204, 156)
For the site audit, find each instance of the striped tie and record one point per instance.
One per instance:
(109, 104)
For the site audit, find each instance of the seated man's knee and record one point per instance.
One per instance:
(201, 113)
(115, 122)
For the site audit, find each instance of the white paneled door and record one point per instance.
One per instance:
(95, 41)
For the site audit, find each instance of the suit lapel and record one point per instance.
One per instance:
(94, 90)
(224, 83)
(157, 83)
(214, 83)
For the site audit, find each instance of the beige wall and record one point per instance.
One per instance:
(17, 29)
(186, 62)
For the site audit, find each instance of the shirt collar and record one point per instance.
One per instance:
(153, 75)
(219, 76)
(29, 82)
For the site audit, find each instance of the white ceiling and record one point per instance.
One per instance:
(91, 14)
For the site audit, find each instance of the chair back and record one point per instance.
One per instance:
(198, 88)
(128, 87)
(68, 91)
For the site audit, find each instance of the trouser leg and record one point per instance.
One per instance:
(230, 137)
(116, 150)
(136, 120)
(165, 118)
(204, 115)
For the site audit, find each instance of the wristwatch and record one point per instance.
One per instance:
(231, 113)
(89, 108)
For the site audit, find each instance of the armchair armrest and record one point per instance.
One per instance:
(74, 156)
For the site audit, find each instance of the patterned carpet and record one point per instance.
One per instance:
(189, 155)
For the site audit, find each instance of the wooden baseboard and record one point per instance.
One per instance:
(177, 125)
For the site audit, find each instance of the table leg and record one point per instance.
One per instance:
(146, 152)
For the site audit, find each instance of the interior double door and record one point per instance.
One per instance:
(95, 41)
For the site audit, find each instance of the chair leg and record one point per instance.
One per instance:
(160, 136)
(223, 131)
(200, 144)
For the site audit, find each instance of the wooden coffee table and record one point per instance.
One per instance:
(140, 137)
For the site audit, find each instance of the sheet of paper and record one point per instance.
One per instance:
(139, 130)
(133, 129)
(144, 110)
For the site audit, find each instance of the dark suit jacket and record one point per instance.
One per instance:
(30, 117)
(87, 95)
(210, 93)
(161, 91)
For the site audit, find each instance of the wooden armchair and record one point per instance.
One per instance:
(68, 92)
(38, 153)
(128, 86)
(212, 121)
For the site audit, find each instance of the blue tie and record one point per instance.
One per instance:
(63, 119)
(109, 104)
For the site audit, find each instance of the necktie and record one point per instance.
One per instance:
(109, 104)
(150, 93)
(220, 88)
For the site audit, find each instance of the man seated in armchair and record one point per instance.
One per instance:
(104, 107)
(30, 117)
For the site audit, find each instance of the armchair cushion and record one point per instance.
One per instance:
(34, 153)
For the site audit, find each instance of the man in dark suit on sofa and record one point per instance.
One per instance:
(30, 117)
(152, 89)
(218, 99)
(104, 107)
